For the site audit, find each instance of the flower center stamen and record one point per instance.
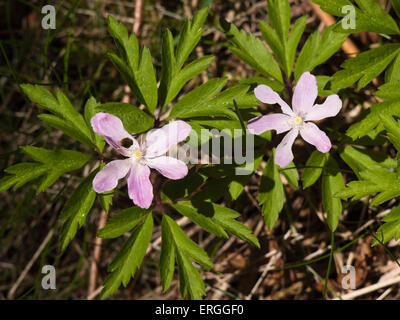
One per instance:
(137, 154)
(298, 120)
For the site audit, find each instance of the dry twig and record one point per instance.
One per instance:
(96, 255)
(14, 288)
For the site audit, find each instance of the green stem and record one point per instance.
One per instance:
(240, 116)
(387, 250)
(329, 263)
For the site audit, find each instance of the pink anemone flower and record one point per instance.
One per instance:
(140, 157)
(296, 120)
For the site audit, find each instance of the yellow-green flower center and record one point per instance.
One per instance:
(137, 154)
(298, 120)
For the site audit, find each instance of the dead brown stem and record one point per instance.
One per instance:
(96, 256)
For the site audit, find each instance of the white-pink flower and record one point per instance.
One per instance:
(141, 157)
(296, 120)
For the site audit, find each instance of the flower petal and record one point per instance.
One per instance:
(283, 153)
(277, 121)
(305, 93)
(313, 135)
(266, 95)
(169, 167)
(107, 179)
(159, 141)
(140, 189)
(111, 127)
(329, 108)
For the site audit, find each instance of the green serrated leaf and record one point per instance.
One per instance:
(226, 218)
(333, 6)
(361, 159)
(291, 174)
(173, 78)
(130, 258)
(127, 45)
(271, 194)
(221, 124)
(369, 16)
(279, 15)
(123, 222)
(175, 242)
(167, 257)
(272, 39)
(200, 218)
(23, 173)
(393, 72)
(390, 229)
(186, 245)
(389, 91)
(76, 210)
(62, 107)
(313, 169)
(277, 34)
(365, 67)
(183, 76)
(168, 68)
(136, 68)
(392, 128)
(358, 189)
(317, 49)
(199, 103)
(54, 163)
(44, 98)
(251, 50)
(71, 114)
(215, 218)
(66, 127)
(322, 82)
(293, 42)
(198, 96)
(145, 78)
(134, 119)
(332, 182)
(371, 119)
(7, 182)
(191, 284)
(386, 196)
(106, 200)
(190, 36)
